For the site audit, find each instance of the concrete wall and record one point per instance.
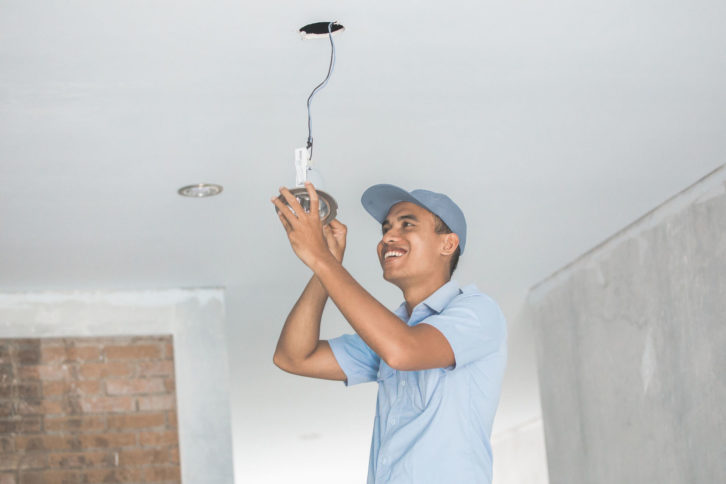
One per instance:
(196, 320)
(631, 343)
(519, 455)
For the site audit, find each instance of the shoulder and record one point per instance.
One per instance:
(483, 306)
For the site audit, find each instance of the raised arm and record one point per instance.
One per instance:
(299, 349)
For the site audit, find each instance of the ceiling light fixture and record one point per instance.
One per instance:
(304, 170)
(200, 190)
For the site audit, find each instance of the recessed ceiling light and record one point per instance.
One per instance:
(200, 190)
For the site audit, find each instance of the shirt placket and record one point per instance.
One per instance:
(393, 414)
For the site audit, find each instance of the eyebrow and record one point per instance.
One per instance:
(402, 217)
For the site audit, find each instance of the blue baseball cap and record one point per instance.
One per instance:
(379, 199)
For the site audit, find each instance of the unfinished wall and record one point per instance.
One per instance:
(195, 319)
(88, 410)
(631, 342)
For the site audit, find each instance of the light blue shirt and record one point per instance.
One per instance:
(433, 426)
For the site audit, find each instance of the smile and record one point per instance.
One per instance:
(391, 255)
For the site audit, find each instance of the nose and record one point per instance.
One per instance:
(390, 236)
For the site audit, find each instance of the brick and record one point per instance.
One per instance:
(28, 355)
(7, 444)
(22, 341)
(44, 442)
(6, 373)
(75, 424)
(169, 351)
(157, 402)
(171, 419)
(47, 372)
(9, 462)
(94, 371)
(28, 424)
(81, 476)
(166, 473)
(132, 352)
(71, 404)
(155, 368)
(75, 460)
(107, 440)
(28, 390)
(7, 408)
(164, 437)
(81, 387)
(47, 407)
(58, 354)
(136, 421)
(100, 404)
(141, 457)
(9, 426)
(135, 387)
(26, 373)
(74, 442)
(174, 455)
(7, 390)
(8, 478)
(113, 475)
(34, 461)
(169, 385)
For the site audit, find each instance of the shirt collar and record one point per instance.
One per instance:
(443, 296)
(436, 301)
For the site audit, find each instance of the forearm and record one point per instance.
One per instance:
(301, 332)
(381, 329)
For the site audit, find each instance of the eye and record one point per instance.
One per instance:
(407, 224)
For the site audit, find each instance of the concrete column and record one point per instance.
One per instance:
(631, 344)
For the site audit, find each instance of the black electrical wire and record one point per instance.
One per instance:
(318, 87)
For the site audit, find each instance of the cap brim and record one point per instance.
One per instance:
(379, 199)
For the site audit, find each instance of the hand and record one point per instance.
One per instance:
(304, 229)
(335, 233)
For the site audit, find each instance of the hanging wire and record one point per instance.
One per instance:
(319, 87)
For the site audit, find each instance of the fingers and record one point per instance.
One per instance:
(286, 225)
(314, 201)
(292, 201)
(283, 210)
(336, 224)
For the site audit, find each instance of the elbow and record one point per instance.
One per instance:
(396, 358)
(285, 364)
(397, 363)
(278, 361)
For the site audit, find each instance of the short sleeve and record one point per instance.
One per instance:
(474, 327)
(356, 359)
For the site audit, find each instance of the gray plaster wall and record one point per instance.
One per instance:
(631, 349)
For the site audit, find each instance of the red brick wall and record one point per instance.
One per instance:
(86, 410)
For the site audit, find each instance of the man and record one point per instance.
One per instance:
(438, 359)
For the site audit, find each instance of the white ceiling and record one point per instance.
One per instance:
(552, 124)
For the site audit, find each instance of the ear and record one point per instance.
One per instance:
(450, 243)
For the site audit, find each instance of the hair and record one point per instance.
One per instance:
(440, 227)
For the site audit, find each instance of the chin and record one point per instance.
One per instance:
(393, 279)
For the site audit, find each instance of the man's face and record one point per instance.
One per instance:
(410, 248)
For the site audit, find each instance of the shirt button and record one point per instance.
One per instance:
(385, 461)
(403, 383)
(393, 421)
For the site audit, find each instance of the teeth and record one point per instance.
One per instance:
(392, 254)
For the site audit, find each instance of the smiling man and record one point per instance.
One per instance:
(438, 359)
